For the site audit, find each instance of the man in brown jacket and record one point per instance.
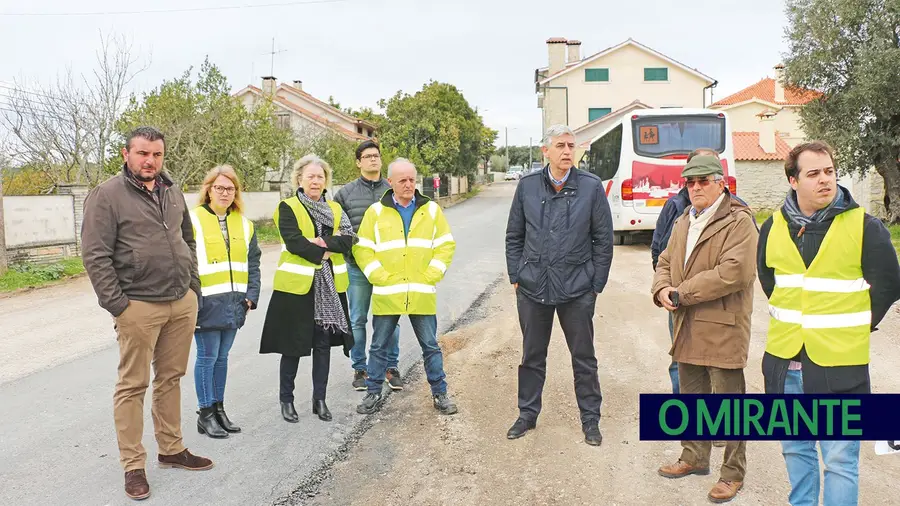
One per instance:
(705, 277)
(138, 250)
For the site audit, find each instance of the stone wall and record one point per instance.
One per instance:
(761, 184)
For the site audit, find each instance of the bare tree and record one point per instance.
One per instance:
(4, 260)
(68, 129)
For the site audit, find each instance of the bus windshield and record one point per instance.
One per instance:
(662, 136)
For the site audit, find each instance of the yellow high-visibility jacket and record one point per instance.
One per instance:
(404, 270)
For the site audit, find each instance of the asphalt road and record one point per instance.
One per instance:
(58, 359)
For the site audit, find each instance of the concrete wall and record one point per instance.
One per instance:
(257, 205)
(763, 186)
(38, 220)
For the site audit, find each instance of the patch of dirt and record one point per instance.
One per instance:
(412, 455)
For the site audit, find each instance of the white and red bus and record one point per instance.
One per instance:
(641, 156)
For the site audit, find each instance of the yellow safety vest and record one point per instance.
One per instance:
(404, 271)
(221, 270)
(295, 274)
(826, 307)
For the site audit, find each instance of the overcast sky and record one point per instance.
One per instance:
(362, 50)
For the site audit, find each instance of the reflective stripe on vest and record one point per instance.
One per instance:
(826, 307)
(413, 264)
(221, 270)
(295, 274)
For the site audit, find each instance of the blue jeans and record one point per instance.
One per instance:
(673, 367)
(359, 297)
(841, 464)
(211, 367)
(385, 338)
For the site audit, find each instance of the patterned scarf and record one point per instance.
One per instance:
(329, 312)
(792, 209)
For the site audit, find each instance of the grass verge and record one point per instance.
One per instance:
(895, 237)
(21, 276)
(266, 232)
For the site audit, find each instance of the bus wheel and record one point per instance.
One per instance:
(627, 239)
(618, 238)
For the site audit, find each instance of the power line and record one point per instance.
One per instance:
(161, 11)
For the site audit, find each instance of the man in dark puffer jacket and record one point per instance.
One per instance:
(355, 198)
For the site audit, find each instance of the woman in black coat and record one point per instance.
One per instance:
(309, 324)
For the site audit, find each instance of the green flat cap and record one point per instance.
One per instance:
(703, 165)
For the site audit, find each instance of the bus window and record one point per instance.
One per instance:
(604, 155)
(658, 137)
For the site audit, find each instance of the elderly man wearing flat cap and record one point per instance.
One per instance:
(705, 277)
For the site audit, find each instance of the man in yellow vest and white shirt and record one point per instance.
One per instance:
(831, 274)
(405, 247)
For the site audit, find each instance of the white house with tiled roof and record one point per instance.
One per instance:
(577, 91)
(306, 115)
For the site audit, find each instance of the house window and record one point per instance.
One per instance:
(284, 120)
(598, 112)
(596, 75)
(359, 130)
(656, 74)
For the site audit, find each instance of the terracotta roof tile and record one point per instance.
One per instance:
(765, 90)
(747, 148)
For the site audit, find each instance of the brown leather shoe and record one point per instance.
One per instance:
(136, 486)
(185, 460)
(681, 469)
(724, 491)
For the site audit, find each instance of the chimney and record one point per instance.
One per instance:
(767, 131)
(556, 50)
(574, 51)
(298, 84)
(268, 85)
(779, 83)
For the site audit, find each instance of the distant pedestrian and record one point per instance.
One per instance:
(138, 250)
(559, 249)
(228, 261)
(705, 277)
(831, 274)
(355, 198)
(405, 247)
(307, 313)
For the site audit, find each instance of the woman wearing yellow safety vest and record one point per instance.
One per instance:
(228, 263)
(308, 313)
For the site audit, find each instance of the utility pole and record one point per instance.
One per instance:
(3, 260)
(506, 134)
(530, 160)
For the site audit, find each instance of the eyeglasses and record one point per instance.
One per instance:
(690, 183)
(224, 190)
(370, 157)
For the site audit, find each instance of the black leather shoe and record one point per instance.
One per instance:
(289, 413)
(519, 428)
(207, 423)
(223, 420)
(319, 408)
(592, 434)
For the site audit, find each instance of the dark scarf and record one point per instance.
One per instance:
(329, 313)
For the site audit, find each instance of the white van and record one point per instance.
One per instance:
(641, 156)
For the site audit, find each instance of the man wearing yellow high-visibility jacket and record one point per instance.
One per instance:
(831, 274)
(404, 249)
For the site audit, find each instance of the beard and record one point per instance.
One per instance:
(142, 178)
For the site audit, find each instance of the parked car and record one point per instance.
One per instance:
(513, 175)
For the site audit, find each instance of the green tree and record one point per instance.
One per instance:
(488, 138)
(518, 155)
(206, 126)
(850, 51)
(435, 128)
(499, 163)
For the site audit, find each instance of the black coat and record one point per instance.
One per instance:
(673, 208)
(290, 318)
(559, 246)
(880, 270)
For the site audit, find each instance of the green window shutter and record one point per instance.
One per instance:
(598, 112)
(596, 75)
(656, 74)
